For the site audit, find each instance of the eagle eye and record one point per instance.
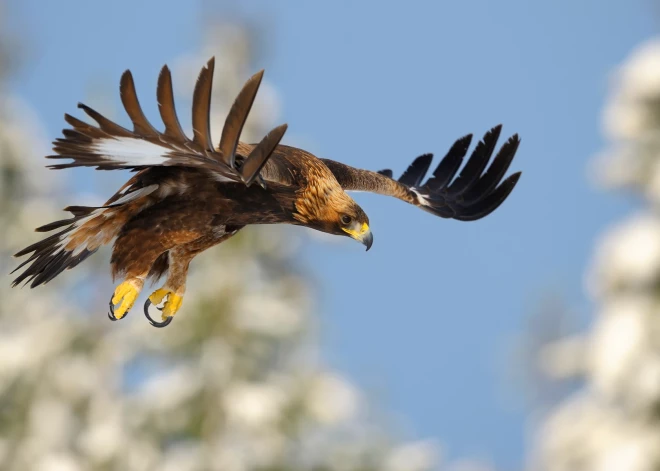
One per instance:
(346, 220)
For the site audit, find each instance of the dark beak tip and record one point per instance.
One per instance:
(368, 241)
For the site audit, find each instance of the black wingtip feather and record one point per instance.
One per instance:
(487, 183)
(449, 165)
(477, 191)
(491, 202)
(416, 171)
(476, 164)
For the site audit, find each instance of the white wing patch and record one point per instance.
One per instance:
(136, 194)
(130, 151)
(64, 240)
(421, 197)
(104, 230)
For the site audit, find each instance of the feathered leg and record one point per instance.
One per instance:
(135, 266)
(179, 259)
(134, 254)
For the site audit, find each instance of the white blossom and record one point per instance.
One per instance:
(415, 456)
(331, 399)
(626, 115)
(564, 358)
(611, 423)
(628, 256)
(254, 405)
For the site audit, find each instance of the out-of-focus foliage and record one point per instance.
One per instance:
(613, 422)
(233, 384)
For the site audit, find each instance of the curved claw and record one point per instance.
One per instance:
(111, 313)
(162, 324)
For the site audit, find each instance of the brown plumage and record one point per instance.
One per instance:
(189, 195)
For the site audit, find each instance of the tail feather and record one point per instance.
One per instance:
(50, 256)
(82, 235)
(55, 225)
(37, 246)
(81, 211)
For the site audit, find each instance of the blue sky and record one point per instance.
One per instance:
(425, 321)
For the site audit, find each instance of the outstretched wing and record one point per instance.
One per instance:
(475, 193)
(109, 146)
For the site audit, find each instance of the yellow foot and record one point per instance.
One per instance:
(126, 293)
(172, 304)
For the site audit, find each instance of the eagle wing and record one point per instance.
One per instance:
(473, 194)
(109, 146)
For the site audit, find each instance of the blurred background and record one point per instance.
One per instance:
(529, 340)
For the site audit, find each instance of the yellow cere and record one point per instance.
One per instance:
(356, 234)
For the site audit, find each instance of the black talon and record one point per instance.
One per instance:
(111, 314)
(160, 325)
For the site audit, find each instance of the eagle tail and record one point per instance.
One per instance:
(52, 255)
(78, 238)
(81, 235)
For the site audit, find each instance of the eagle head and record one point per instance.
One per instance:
(327, 208)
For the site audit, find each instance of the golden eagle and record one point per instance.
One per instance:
(189, 195)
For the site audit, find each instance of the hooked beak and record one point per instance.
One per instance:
(361, 234)
(368, 239)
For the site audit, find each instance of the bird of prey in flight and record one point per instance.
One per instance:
(188, 194)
